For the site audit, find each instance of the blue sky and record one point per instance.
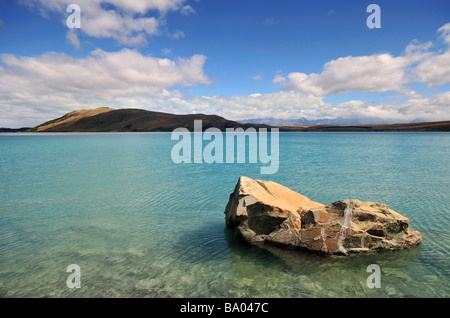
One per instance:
(239, 59)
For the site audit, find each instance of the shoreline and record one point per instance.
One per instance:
(441, 126)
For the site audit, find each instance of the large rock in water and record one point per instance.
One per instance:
(265, 212)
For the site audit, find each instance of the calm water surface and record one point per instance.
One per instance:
(139, 225)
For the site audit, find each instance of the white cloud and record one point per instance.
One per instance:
(143, 6)
(433, 108)
(257, 77)
(26, 102)
(271, 21)
(126, 21)
(55, 82)
(187, 10)
(72, 38)
(178, 34)
(293, 104)
(377, 73)
(279, 79)
(444, 32)
(434, 69)
(125, 69)
(284, 104)
(166, 52)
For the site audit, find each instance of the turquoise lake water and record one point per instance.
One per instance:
(139, 225)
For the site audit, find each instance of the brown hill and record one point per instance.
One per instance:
(123, 120)
(71, 118)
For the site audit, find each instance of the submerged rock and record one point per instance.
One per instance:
(265, 212)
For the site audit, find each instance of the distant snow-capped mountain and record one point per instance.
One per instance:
(323, 121)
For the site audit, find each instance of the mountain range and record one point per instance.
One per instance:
(322, 121)
(105, 119)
